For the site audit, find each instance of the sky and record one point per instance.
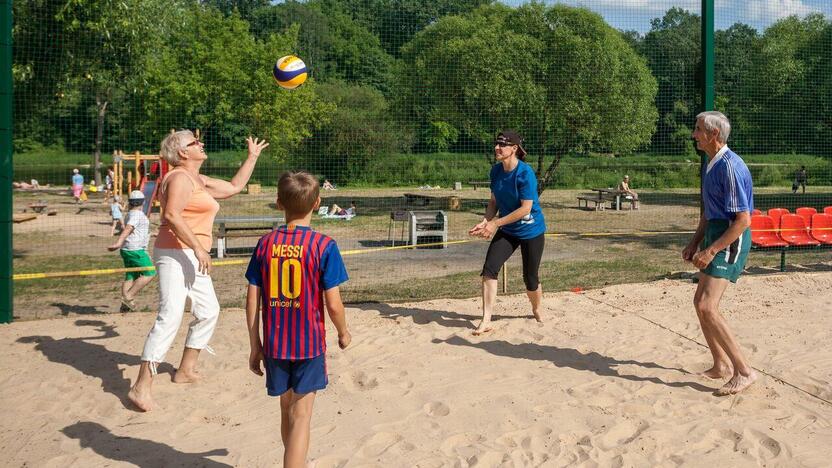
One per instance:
(636, 14)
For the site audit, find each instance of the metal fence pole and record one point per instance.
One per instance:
(706, 73)
(6, 168)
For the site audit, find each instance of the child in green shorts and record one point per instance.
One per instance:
(133, 242)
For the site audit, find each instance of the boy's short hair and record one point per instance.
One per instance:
(297, 191)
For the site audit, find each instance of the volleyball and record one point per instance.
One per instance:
(289, 72)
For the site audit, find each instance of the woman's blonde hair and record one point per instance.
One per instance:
(173, 144)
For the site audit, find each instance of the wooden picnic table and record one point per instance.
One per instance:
(243, 226)
(611, 194)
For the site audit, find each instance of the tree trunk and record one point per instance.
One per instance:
(550, 174)
(99, 136)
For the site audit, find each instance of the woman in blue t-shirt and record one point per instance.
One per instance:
(514, 218)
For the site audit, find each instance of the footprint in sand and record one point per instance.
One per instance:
(760, 446)
(621, 434)
(381, 442)
(436, 408)
(361, 381)
(463, 443)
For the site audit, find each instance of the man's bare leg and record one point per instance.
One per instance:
(744, 375)
(140, 394)
(125, 287)
(489, 297)
(536, 297)
(285, 423)
(186, 373)
(297, 442)
(708, 297)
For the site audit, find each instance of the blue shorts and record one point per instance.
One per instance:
(302, 375)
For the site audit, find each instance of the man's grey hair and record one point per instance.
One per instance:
(714, 120)
(173, 144)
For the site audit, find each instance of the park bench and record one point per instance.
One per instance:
(479, 183)
(38, 207)
(243, 226)
(591, 198)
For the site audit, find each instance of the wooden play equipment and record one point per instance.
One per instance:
(145, 174)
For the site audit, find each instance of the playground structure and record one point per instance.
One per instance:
(145, 174)
(141, 176)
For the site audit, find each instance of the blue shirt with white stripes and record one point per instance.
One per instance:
(726, 186)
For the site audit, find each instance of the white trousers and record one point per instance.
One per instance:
(179, 280)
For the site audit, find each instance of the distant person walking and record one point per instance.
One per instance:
(514, 219)
(800, 179)
(189, 204)
(77, 185)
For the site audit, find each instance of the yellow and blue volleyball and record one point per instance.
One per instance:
(289, 72)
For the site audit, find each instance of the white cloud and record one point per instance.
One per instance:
(776, 9)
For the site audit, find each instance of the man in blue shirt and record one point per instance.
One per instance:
(725, 237)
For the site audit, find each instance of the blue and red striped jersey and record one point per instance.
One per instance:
(293, 268)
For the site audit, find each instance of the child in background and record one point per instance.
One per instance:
(293, 272)
(115, 213)
(133, 242)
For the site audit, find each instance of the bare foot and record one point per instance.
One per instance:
(536, 314)
(482, 329)
(718, 372)
(184, 377)
(143, 401)
(737, 384)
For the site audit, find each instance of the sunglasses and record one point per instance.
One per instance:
(503, 144)
(193, 143)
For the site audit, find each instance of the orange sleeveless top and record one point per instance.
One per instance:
(199, 215)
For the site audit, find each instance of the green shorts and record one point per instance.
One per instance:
(136, 258)
(730, 262)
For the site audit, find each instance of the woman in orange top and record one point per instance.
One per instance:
(189, 204)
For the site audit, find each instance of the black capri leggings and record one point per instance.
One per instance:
(501, 248)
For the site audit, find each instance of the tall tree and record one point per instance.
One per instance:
(672, 51)
(560, 75)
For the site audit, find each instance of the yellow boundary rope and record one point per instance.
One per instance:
(111, 271)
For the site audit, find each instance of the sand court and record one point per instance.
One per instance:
(609, 379)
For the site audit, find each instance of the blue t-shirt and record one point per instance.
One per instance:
(509, 188)
(77, 179)
(293, 268)
(726, 186)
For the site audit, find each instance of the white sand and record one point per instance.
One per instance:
(596, 385)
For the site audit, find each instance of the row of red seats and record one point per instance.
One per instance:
(806, 212)
(779, 228)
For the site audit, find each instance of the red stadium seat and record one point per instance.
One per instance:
(806, 213)
(764, 233)
(793, 230)
(822, 228)
(755, 211)
(827, 210)
(775, 214)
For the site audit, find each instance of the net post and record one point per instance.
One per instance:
(6, 167)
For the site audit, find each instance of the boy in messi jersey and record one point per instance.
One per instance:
(725, 237)
(293, 272)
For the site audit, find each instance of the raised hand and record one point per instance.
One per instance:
(255, 146)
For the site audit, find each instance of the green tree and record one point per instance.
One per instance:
(395, 22)
(333, 45)
(212, 74)
(560, 75)
(359, 129)
(672, 51)
(737, 51)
